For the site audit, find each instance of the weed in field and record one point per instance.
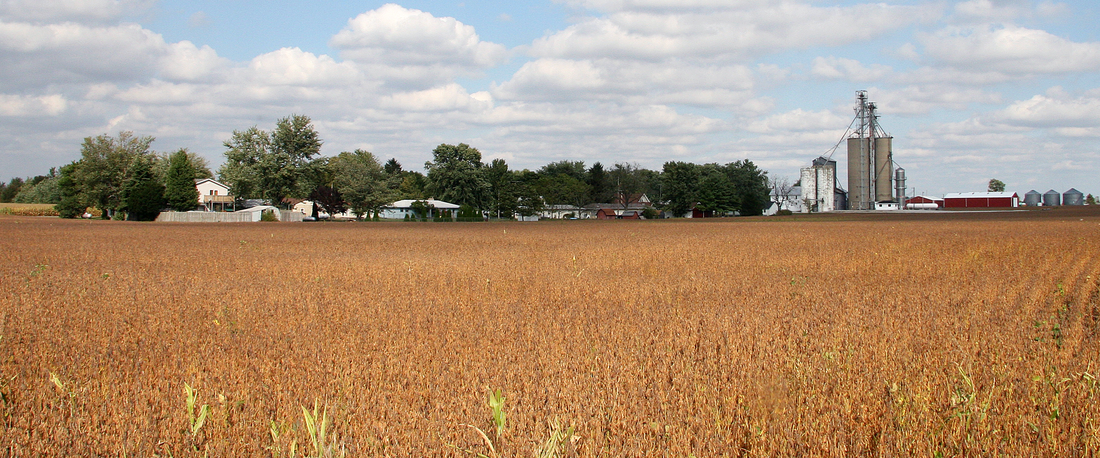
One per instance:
(325, 444)
(195, 421)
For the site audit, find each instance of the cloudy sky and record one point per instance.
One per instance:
(971, 90)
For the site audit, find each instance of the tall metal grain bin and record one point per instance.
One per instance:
(883, 169)
(859, 174)
(1052, 199)
(1073, 197)
(1033, 198)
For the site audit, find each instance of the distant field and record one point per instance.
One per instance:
(27, 209)
(834, 335)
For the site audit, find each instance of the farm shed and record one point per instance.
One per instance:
(981, 200)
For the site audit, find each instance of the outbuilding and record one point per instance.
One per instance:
(981, 200)
(923, 203)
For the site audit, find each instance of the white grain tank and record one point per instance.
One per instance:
(1033, 198)
(1052, 198)
(1073, 197)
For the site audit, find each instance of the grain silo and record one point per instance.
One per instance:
(870, 159)
(1073, 197)
(1052, 198)
(1033, 198)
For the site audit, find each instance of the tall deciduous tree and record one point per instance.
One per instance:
(455, 175)
(180, 193)
(996, 185)
(751, 186)
(103, 168)
(630, 183)
(274, 165)
(363, 182)
(681, 184)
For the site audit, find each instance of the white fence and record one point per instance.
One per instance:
(223, 217)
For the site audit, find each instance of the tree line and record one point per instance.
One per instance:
(125, 179)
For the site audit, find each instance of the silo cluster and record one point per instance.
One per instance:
(1052, 198)
(870, 161)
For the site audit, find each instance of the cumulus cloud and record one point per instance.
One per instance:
(396, 36)
(47, 105)
(672, 82)
(644, 30)
(848, 69)
(1055, 109)
(799, 120)
(36, 55)
(87, 11)
(1011, 49)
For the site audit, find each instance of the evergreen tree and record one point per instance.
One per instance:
(180, 193)
(70, 205)
(142, 194)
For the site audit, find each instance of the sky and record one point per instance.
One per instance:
(970, 90)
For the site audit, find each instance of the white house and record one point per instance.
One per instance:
(213, 195)
(403, 208)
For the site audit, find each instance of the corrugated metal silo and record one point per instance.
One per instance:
(1052, 198)
(859, 176)
(883, 169)
(1033, 198)
(1073, 197)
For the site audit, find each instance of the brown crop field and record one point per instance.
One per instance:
(839, 335)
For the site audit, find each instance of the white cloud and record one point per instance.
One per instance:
(198, 20)
(1011, 49)
(184, 61)
(732, 30)
(451, 97)
(848, 69)
(47, 105)
(1055, 109)
(294, 67)
(671, 82)
(923, 99)
(396, 36)
(801, 121)
(97, 11)
(36, 55)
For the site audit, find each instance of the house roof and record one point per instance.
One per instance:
(978, 195)
(199, 181)
(407, 203)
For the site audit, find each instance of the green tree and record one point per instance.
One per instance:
(681, 184)
(180, 193)
(69, 204)
(715, 192)
(630, 183)
(363, 182)
(502, 189)
(8, 193)
(142, 193)
(104, 165)
(750, 185)
(574, 169)
(600, 187)
(41, 189)
(996, 185)
(455, 175)
(272, 166)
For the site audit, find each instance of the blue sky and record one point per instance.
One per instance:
(971, 90)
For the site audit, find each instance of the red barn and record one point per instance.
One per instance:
(981, 200)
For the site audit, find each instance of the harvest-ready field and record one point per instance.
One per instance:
(952, 335)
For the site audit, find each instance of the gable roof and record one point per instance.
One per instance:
(407, 203)
(199, 181)
(978, 195)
